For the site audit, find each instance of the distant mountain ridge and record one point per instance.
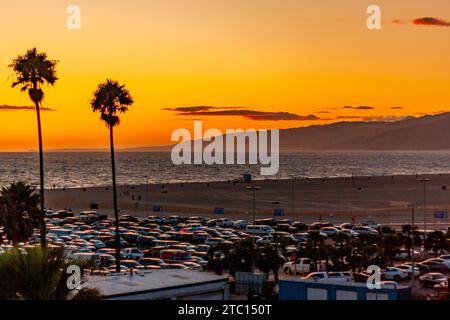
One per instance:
(423, 133)
(430, 132)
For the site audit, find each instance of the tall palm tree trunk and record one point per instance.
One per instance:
(116, 212)
(41, 176)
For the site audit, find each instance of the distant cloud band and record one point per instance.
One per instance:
(21, 108)
(425, 21)
(360, 107)
(199, 111)
(430, 21)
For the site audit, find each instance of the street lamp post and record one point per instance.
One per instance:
(293, 199)
(146, 194)
(253, 189)
(424, 181)
(412, 247)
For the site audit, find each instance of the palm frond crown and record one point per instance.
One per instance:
(32, 70)
(111, 99)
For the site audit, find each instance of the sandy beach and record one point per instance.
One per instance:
(383, 199)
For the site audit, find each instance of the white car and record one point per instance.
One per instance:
(446, 258)
(406, 254)
(157, 219)
(394, 273)
(338, 276)
(258, 229)
(264, 240)
(132, 253)
(240, 224)
(98, 244)
(440, 260)
(224, 222)
(365, 230)
(302, 266)
(341, 276)
(408, 268)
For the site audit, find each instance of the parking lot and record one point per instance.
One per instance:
(177, 242)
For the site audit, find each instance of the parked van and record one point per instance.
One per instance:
(258, 229)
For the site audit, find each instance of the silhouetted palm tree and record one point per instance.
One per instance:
(218, 257)
(342, 241)
(40, 274)
(110, 100)
(390, 246)
(436, 242)
(241, 256)
(269, 258)
(32, 71)
(313, 247)
(19, 211)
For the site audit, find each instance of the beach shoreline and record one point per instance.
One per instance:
(385, 199)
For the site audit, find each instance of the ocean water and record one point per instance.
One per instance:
(93, 169)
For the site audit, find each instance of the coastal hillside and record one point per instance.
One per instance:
(424, 133)
(431, 132)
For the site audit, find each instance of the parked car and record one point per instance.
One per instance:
(394, 273)
(408, 268)
(225, 222)
(300, 226)
(364, 230)
(147, 263)
(404, 254)
(258, 229)
(105, 259)
(131, 264)
(175, 266)
(446, 262)
(303, 266)
(200, 261)
(240, 224)
(132, 253)
(264, 240)
(422, 268)
(98, 244)
(329, 231)
(214, 241)
(319, 225)
(285, 227)
(435, 266)
(301, 236)
(266, 222)
(446, 257)
(341, 276)
(193, 265)
(316, 276)
(429, 280)
(123, 268)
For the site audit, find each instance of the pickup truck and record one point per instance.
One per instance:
(303, 265)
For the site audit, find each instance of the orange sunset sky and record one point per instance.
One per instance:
(295, 62)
